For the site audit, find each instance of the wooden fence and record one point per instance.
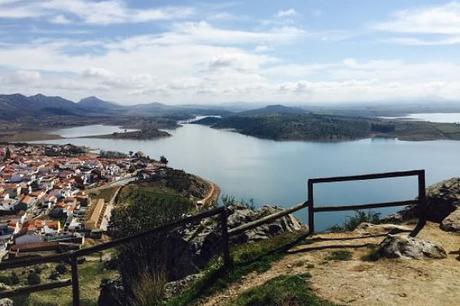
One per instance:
(72, 257)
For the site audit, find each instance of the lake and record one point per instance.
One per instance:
(432, 117)
(276, 172)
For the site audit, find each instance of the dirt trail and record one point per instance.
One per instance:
(357, 282)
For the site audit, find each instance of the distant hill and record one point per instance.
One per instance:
(16, 106)
(96, 104)
(273, 109)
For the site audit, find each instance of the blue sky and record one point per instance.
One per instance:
(294, 52)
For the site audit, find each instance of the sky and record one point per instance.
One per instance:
(213, 52)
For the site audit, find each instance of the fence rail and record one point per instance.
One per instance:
(72, 257)
(421, 199)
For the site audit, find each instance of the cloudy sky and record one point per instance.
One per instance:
(296, 52)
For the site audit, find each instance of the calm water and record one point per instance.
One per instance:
(432, 117)
(88, 130)
(276, 172)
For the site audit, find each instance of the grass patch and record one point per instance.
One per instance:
(372, 254)
(105, 193)
(340, 255)
(281, 291)
(252, 257)
(90, 273)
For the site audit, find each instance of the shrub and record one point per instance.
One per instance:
(10, 280)
(372, 254)
(359, 217)
(61, 268)
(149, 289)
(33, 278)
(340, 255)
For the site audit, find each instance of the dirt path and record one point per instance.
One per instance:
(357, 282)
(212, 195)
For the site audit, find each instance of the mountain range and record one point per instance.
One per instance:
(15, 106)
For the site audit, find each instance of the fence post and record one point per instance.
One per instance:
(422, 205)
(225, 238)
(311, 213)
(75, 287)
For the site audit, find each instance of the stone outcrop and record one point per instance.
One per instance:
(239, 215)
(443, 199)
(452, 222)
(405, 247)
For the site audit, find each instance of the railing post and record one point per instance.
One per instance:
(75, 287)
(225, 239)
(422, 204)
(311, 213)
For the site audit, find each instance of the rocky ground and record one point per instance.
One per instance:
(383, 265)
(360, 282)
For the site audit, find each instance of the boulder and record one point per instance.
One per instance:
(112, 293)
(6, 302)
(239, 215)
(406, 247)
(452, 222)
(175, 288)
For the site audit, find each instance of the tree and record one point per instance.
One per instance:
(163, 160)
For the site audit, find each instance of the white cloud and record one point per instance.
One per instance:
(286, 13)
(90, 12)
(21, 77)
(60, 19)
(441, 19)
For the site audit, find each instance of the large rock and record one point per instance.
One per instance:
(406, 247)
(452, 222)
(112, 293)
(239, 215)
(443, 198)
(6, 302)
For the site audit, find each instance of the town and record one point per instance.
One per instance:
(45, 195)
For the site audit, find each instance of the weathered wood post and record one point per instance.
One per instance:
(225, 238)
(311, 213)
(75, 287)
(422, 204)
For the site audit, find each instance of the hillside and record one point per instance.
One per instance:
(286, 123)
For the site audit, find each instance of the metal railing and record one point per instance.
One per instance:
(72, 257)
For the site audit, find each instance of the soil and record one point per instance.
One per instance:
(359, 282)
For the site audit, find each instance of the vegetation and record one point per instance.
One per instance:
(359, 217)
(372, 254)
(255, 257)
(90, 274)
(340, 255)
(298, 126)
(286, 123)
(146, 263)
(285, 290)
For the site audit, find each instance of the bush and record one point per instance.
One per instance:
(359, 217)
(372, 254)
(149, 289)
(10, 280)
(340, 255)
(61, 268)
(33, 278)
